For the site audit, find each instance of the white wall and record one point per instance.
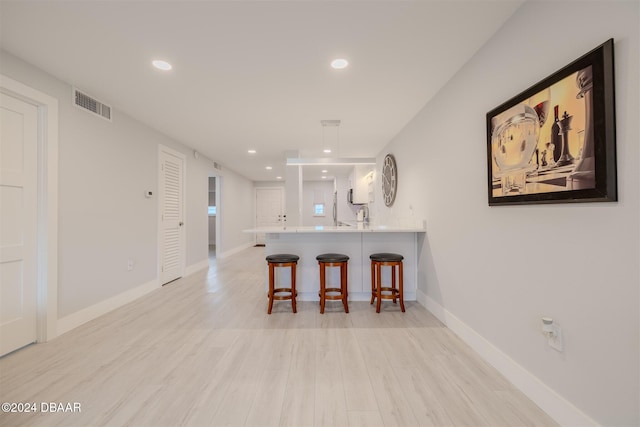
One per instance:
(269, 184)
(323, 190)
(236, 212)
(346, 211)
(308, 187)
(497, 270)
(104, 218)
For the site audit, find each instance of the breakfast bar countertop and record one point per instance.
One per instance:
(356, 240)
(356, 228)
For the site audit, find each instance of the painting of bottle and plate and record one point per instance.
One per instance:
(555, 142)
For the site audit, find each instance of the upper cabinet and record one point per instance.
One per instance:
(361, 182)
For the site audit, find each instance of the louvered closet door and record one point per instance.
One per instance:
(172, 216)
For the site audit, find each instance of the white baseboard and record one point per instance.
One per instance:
(557, 407)
(85, 315)
(103, 307)
(233, 251)
(193, 268)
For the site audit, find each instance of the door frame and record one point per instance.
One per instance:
(47, 204)
(183, 240)
(218, 186)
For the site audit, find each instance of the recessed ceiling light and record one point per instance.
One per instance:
(278, 177)
(324, 171)
(161, 65)
(251, 151)
(339, 63)
(327, 150)
(268, 168)
(324, 177)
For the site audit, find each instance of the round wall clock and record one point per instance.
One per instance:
(389, 179)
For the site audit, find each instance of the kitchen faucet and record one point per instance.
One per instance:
(365, 212)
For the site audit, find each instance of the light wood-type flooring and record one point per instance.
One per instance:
(202, 351)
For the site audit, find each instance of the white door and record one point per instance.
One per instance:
(269, 210)
(171, 197)
(18, 221)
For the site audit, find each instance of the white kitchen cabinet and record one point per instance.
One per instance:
(359, 181)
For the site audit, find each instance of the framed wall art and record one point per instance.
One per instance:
(555, 142)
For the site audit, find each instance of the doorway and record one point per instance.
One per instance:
(213, 204)
(18, 207)
(269, 210)
(29, 221)
(171, 202)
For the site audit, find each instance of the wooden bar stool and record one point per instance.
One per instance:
(392, 292)
(282, 260)
(333, 260)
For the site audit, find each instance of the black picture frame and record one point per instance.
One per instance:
(533, 158)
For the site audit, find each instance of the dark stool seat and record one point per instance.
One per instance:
(279, 258)
(386, 259)
(333, 260)
(282, 260)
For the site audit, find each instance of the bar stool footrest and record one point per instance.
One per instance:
(333, 297)
(394, 293)
(282, 297)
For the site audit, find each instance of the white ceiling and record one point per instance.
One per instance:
(256, 74)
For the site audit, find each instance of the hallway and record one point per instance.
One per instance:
(202, 351)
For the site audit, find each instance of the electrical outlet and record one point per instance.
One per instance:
(555, 340)
(553, 332)
(130, 265)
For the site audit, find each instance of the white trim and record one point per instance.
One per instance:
(233, 251)
(85, 315)
(101, 308)
(47, 203)
(421, 298)
(219, 210)
(560, 409)
(194, 268)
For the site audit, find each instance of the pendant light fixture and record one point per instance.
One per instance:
(296, 161)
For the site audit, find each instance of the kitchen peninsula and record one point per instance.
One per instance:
(357, 241)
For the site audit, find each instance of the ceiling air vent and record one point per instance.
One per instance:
(88, 103)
